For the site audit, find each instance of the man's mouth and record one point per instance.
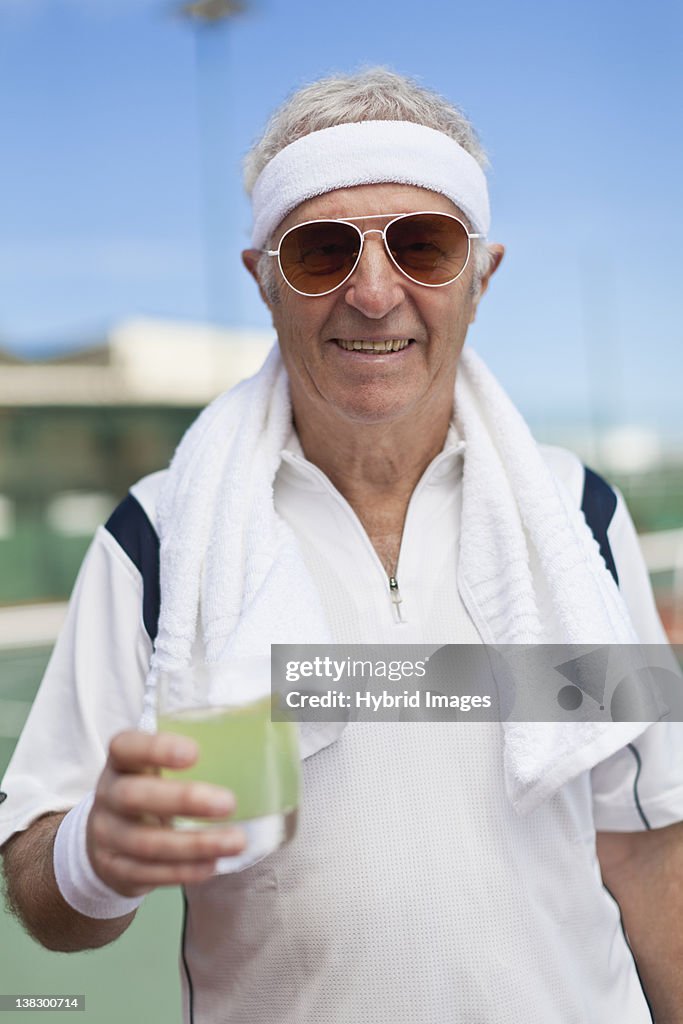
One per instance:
(361, 345)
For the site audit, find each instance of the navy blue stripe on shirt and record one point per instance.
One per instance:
(598, 505)
(132, 530)
(186, 966)
(636, 798)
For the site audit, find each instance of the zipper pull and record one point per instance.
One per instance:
(395, 597)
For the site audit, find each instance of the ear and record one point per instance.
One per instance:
(496, 253)
(250, 259)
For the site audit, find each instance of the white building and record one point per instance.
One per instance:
(142, 362)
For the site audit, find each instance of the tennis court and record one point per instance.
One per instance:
(136, 978)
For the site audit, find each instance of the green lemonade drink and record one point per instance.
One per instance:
(241, 749)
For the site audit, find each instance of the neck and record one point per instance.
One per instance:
(375, 465)
(371, 463)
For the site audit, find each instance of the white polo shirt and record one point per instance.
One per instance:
(412, 891)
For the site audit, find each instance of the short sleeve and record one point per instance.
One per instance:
(93, 688)
(641, 786)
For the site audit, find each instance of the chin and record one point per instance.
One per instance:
(370, 413)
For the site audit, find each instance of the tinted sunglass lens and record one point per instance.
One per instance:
(430, 248)
(316, 257)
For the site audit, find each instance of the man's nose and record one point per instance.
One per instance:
(375, 287)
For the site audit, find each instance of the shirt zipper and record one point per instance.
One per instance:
(395, 598)
(394, 592)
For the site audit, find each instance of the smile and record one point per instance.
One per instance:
(360, 345)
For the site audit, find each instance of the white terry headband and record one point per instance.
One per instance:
(366, 153)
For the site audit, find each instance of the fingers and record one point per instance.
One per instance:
(127, 787)
(136, 752)
(130, 843)
(131, 878)
(162, 844)
(138, 795)
(133, 857)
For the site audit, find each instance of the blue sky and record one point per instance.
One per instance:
(123, 130)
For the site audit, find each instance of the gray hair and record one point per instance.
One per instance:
(375, 94)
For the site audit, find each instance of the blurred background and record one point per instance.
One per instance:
(124, 307)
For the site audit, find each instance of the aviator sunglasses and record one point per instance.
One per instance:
(318, 256)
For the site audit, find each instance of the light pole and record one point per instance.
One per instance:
(209, 19)
(211, 11)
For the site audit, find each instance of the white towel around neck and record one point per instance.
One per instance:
(233, 580)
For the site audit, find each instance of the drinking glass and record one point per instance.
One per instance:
(228, 714)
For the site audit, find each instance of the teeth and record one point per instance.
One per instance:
(393, 345)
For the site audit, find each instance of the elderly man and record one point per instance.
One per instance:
(371, 484)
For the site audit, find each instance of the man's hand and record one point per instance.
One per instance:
(130, 841)
(131, 844)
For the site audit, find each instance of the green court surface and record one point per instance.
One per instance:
(133, 980)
